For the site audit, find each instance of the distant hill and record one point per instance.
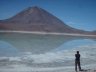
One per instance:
(93, 32)
(38, 19)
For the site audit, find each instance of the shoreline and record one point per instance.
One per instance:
(22, 68)
(46, 33)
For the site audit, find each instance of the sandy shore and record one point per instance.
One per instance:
(17, 70)
(23, 68)
(45, 33)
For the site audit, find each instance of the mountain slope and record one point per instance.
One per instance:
(37, 19)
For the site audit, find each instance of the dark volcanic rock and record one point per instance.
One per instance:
(37, 19)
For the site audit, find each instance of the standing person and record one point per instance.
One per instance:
(77, 61)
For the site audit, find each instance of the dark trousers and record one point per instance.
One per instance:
(77, 63)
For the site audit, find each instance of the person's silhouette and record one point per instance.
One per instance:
(77, 61)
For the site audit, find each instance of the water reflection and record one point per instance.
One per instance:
(7, 49)
(75, 43)
(38, 43)
(46, 50)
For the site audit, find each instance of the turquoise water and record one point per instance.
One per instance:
(30, 43)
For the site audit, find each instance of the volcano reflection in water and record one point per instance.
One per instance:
(44, 50)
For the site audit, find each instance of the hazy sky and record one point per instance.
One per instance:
(76, 13)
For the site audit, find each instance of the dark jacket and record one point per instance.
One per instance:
(77, 57)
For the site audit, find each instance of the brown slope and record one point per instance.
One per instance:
(37, 19)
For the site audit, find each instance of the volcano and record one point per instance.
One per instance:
(39, 20)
